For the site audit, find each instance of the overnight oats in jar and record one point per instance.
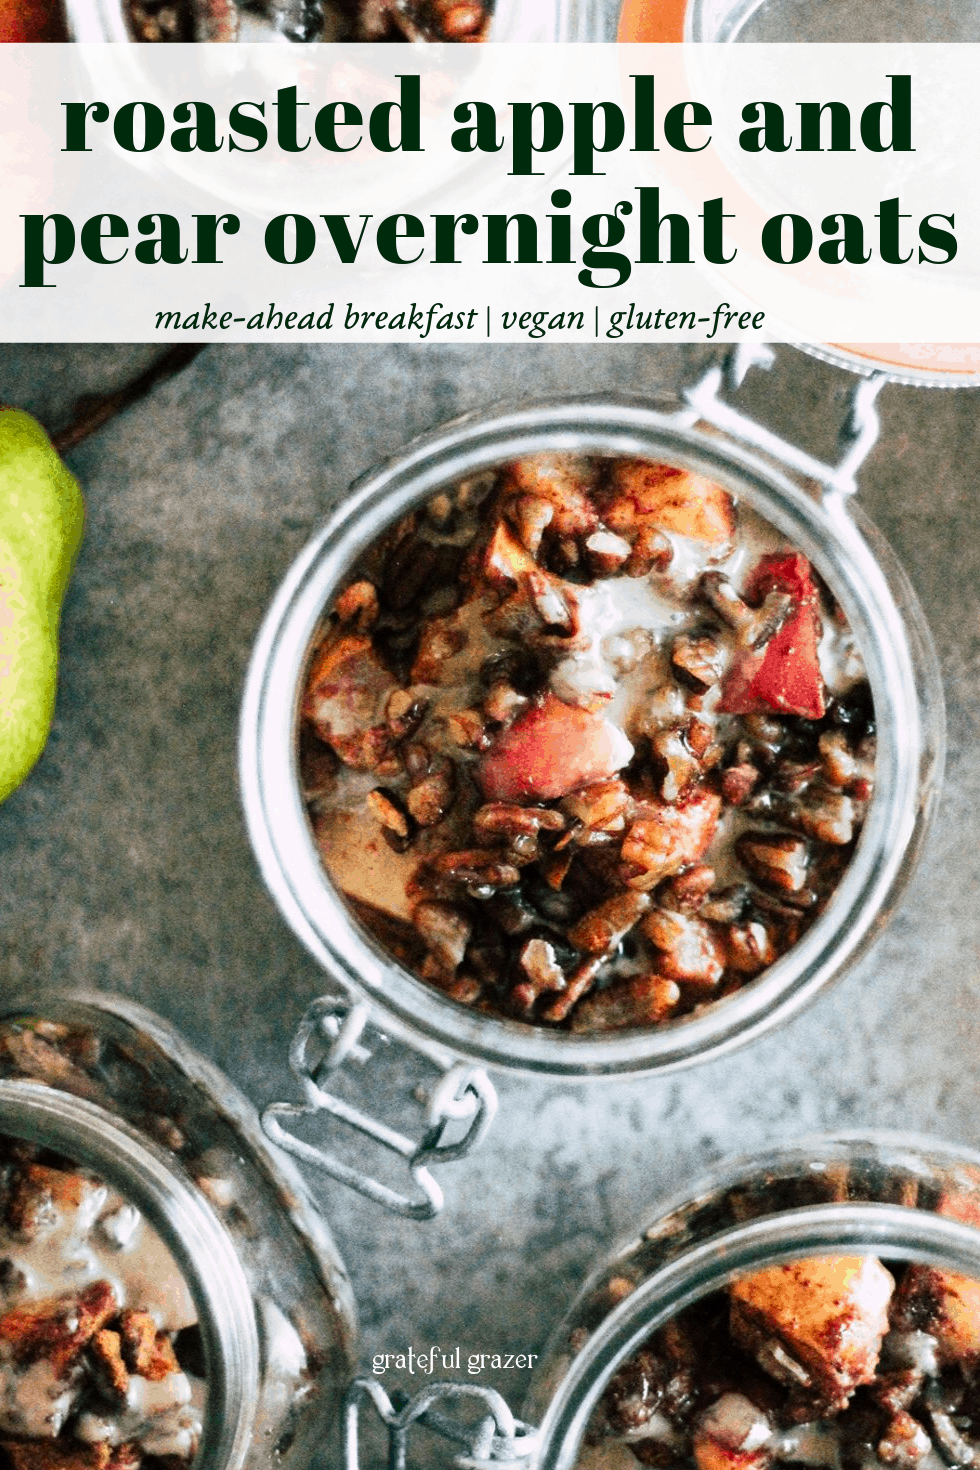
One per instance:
(586, 742)
(818, 1307)
(583, 738)
(169, 1294)
(101, 1361)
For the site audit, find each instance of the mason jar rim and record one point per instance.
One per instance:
(825, 529)
(892, 1231)
(143, 1174)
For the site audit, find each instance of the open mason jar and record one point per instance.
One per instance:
(152, 1241)
(808, 504)
(865, 1212)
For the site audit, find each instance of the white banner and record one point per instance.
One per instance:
(489, 193)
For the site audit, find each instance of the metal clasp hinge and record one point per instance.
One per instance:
(333, 1027)
(856, 437)
(497, 1439)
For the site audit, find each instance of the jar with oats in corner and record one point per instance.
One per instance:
(881, 1231)
(811, 508)
(170, 1295)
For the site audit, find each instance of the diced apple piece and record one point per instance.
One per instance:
(551, 749)
(665, 838)
(346, 694)
(784, 675)
(732, 1435)
(817, 1322)
(646, 494)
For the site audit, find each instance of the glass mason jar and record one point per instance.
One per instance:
(513, 20)
(904, 1199)
(117, 1091)
(809, 504)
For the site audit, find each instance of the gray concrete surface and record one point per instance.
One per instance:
(125, 865)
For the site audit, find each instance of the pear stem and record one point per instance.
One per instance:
(96, 409)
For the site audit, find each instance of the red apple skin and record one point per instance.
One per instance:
(550, 750)
(783, 677)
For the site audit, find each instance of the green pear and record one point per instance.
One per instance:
(41, 519)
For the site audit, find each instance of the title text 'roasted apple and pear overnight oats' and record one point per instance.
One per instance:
(585, 743)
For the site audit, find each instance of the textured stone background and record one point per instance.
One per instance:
(125, 865)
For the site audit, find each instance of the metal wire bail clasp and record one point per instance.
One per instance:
(497, 1439)
(856, 437)
(328, 1035)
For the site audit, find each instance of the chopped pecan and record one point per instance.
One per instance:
(602, 928)
(577, 984)
(468, 730)
(430, 799)
(506, 561)
(749, 948)
(663, 838)
(640, 1000)
(477, 866)
(387, 809)
(698, 659)
(602, 807)
(404, 712)
(565, 481)
(681, 766)
(499, 821)
(554, 868)
(146, 1351)
(550, 602)
(358, 604)
(738, 783)
(502, 704)
(828, 815)
(441, 640)
(441, 511)
(651, 552)
(776, 859)
(446, 932)
(687, 891)
(543, 972)
(840, 765)
(690, 951)
(727, 906)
